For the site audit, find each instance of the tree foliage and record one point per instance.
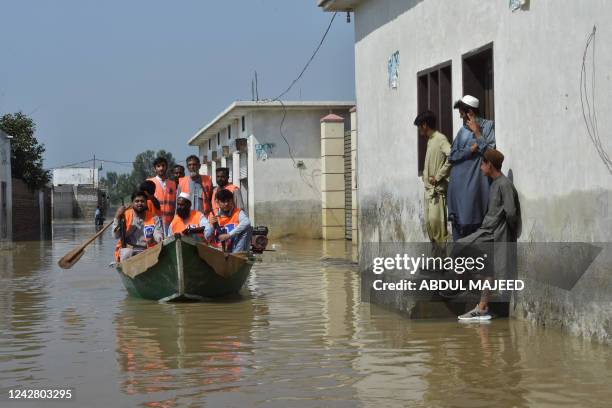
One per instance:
(26, 151)
(121, 186)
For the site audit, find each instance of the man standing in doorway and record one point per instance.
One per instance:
(468, 189)
(199, 187)
(223, 183)
(435, 177)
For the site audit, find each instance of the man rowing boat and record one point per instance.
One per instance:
(136, 228)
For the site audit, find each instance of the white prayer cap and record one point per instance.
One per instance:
(469, 100)
(185, 196)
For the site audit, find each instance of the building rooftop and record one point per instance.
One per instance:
(338, 5)
(239, 108)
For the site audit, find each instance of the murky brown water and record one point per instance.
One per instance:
(297, 337)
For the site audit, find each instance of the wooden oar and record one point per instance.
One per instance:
(72, 257)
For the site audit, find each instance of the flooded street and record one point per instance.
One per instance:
(297, 336)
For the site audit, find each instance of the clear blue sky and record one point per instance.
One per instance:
(115, 78)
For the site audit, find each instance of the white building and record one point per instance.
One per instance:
(534, 66)
(76, 176)
(6, 190)
(273, 151)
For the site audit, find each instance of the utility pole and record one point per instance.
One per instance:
(93, 172)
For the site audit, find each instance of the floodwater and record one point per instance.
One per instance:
(297, 336)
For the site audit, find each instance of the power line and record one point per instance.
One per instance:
(278, 98)
(310, 60)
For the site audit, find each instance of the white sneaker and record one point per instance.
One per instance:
(476, 314)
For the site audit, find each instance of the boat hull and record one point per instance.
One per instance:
(182, 269)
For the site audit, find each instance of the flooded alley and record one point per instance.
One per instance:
(297, 336)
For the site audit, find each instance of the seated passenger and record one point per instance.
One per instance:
(230, 227)
(142, 229)
(148, 187)
(187, 221)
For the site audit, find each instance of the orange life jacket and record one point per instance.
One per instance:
(206, 191)
(179, 225)
(166, 197)
(234, 189)
(227, 223)
(149, 221)
(151, 208)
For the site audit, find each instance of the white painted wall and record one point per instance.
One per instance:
(288, 198)
(5, 177)
(564, 186)
(75, 176)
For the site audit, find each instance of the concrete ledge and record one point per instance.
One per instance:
(333, 233)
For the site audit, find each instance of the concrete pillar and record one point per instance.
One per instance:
(332, 176)
(213, 172)
(354, 212)
(236, 168)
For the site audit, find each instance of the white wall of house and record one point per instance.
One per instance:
(539, 123)
(287, 195)
(564, 185)
(75, 176)
(6, 201)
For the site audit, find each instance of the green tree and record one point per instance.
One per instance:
(143, 164)
(121, 186)
(26, 151)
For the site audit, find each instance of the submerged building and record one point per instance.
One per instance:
(6, 189)
(273, 152)
(538, 73)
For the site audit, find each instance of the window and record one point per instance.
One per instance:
(243, 124)
(478, 78)
(434, 93)
(229, 132)
(209, 144)
(219, 139)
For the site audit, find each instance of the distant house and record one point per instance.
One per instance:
(273, 152)
(6, 189)
(76, 193)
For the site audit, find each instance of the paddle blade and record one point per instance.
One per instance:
(72, 257)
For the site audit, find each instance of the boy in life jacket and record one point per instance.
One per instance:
(142, 229)
(230, 225)
(224, 184)
(165, 192)
(188, 222)
(153, 204)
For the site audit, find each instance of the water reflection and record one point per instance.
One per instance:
(201, 347)
(297, 336)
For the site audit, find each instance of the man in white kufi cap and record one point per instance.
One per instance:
(468, 189)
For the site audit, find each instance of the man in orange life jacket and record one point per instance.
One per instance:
(143, 229)
(234, 225)
(187, 221)
(223, 183)
(198, 187)
(178, 171)
(165, 192)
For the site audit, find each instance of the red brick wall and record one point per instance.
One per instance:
(26, 212)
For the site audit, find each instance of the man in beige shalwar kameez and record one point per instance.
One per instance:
(435, 177)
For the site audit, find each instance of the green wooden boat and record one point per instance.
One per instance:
(182, 269)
